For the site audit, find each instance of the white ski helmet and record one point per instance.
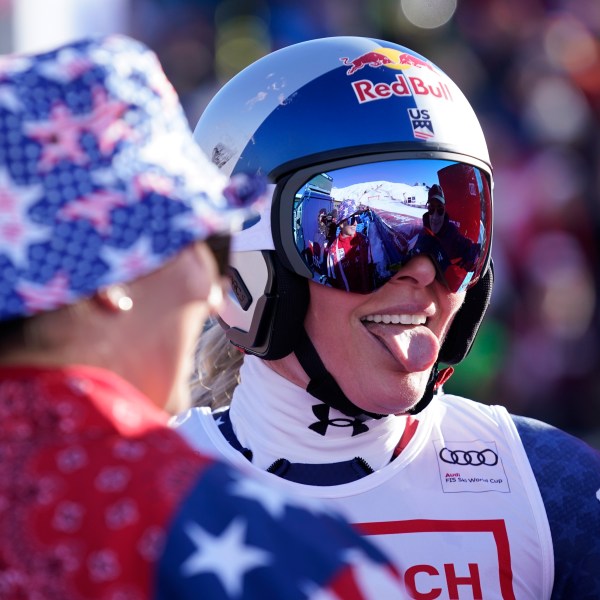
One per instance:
(348, 118)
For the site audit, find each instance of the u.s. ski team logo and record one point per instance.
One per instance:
(421, 123)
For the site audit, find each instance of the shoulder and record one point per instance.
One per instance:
(567, 471)
(118, 495)
(565, 467)
(191, 418)
(234, 537)
(161, 461)
(466, 410)
(198, 426)
(558, 458)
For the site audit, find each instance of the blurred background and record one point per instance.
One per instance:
(531, 69)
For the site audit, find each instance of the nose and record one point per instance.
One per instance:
(419, 270)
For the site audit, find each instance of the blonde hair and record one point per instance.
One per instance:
(217, 365)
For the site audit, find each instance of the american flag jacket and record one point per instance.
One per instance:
(99, 499)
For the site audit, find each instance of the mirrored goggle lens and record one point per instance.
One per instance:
(355, 227)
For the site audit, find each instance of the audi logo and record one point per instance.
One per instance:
(469, 457)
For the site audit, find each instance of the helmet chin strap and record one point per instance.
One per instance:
(432, 384)
(324, 387)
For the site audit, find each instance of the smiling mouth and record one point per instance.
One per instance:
(395, 319)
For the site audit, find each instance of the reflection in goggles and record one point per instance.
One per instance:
(440, 210)
(355, 227)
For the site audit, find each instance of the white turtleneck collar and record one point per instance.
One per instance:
(276, 419)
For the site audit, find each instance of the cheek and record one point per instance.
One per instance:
(189, 292)
(326, 305)
(456, 301)
(329, 317)
(450, 305)
(200, 273)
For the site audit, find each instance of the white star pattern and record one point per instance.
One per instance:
(17, 230)
(163, 87)
(104, 177)
(128, 263)
(274, 500)
(75, 123)
(68, 65)
(12, 65)
(206, 222)
(199, 174)
(9, 99)
(380, 579)
(145, 183)
(271, 500)
(163, 150)
(226, 556)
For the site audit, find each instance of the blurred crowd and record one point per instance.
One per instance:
(531, 69)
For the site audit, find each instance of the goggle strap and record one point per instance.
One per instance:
(321, 383)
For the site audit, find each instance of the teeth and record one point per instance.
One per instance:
(397, 319)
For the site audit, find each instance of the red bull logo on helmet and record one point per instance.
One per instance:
(388, 57)
(405, 85)
(367, 90)
(371, 59)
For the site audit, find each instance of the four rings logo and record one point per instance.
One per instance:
(474, 458)
(477, 466)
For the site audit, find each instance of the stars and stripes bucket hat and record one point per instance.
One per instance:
(101, 181)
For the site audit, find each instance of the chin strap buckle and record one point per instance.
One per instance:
(442, 377)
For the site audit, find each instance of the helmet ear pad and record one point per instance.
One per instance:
(278, 311)
(465, 325)
(289, 311)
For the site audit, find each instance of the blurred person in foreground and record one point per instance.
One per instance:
(340, 393)
(111, 224)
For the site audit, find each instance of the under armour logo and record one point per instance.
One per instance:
(321, 411)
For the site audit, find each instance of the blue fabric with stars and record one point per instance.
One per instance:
(568, 474)
(240, 548)
(101, 181)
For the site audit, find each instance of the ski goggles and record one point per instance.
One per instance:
(389, 203)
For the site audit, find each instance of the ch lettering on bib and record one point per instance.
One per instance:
(457, 559)
(470, 466)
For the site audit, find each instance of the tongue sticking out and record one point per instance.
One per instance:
(415, 348)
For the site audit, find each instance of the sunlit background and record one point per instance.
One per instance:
(531, 68)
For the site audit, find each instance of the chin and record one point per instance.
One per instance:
(179, 401)
(378, 398)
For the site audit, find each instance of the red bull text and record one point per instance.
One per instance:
(367, 91)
